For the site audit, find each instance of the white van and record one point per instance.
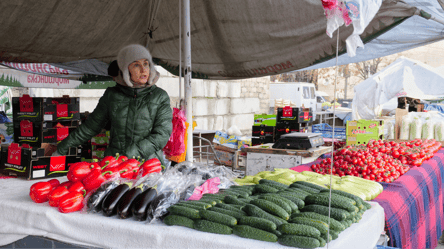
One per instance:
(302, 94)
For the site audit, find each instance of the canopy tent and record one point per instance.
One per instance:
(403, 78)
(231, 39)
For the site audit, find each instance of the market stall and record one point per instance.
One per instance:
(21, 217)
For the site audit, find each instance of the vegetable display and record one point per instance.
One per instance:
(293, 215)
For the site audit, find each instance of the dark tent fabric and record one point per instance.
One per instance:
(230, 39)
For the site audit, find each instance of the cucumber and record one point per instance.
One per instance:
(297, 194)
(336, 213)
(177, 220)
(254, 233)
(321, 241)
(207, 204)
(299, 241)
(212, 227)
(197, 204)
(311, 185)
(242, 192)
(319, 225)
(298, 190)
(229, 199)
(258, 212)
(366, 205)
(299, 229)
(236, 214)
(271, 208)
(225, 192)
(184, 211)
(184, 204)
(343, 193)
(277, 201)
(274, 184)
(305, 188)
(357, 203)
(218, 217)
(337, 202)
(228, 207)
(334, 224)
(296, 200)
(211, 202)
(262, 188)
(259, 223)
(208, 199)
(213, 196)
(292, 205)
(334, 234)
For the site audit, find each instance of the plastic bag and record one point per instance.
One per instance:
(405, 128)
(93, 200)
(428, 130)
(176, 143)
(415, 129)
(439, 131)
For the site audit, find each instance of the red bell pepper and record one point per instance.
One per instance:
(56, 194)
(80, 170)
(150, 166)
(71, 202)
(66, 184)
(71, 177)
(54, 183)
(39, 191)
(77, 187)
(94, 179)
(122, 159)
(108, 161)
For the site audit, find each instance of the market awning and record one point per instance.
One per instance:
(230, 39)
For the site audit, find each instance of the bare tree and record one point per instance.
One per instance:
(367, 68)
(310, 76)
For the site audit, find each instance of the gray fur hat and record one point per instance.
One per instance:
(128, 55)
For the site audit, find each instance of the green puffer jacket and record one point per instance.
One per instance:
(140, 122)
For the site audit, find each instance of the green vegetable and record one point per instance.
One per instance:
(336, 201)
(309, 184)
(229, 199)
(218, 217)
(299, 241)
(334, 234)
(294, 198)
(278, 201)
(242, 192)
(228, 207)
(234, 192)
(262, 188)
(254, 233)
(196, 204)
(212, 227)
(319, 225)
(271, 208)
(274, 184)
(336, 213)
(321, 241)
(305, 188)
(177, 220)
(366, 205)
(357, 199)
(354, 202)
(295, 192)
(236, 214)
(211, 202)
(208, 199)
(258, 212)
(259, 223)
(299, 229)
(293, 206)
(184, 211)
(334, 224)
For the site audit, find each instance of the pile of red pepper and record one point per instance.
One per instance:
(84, 177)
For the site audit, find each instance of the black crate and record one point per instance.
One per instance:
(262, 130)
(27, 108)
(261, 140)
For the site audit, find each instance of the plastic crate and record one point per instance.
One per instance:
(327, 131)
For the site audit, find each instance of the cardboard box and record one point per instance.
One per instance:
(265, 119)
(305, 117)
(262, 130)
(362, 139)
(226, 140)
(224, 154)
(30, 164)
(261, 140)
(243, 143)
(285, 128)
(32, 133)
(27, 108)
(373, 128)
(287, 113)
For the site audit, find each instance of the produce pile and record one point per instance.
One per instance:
(379, 161)
(365, 189)
(85, 177)
(295, 215)
(144, 195)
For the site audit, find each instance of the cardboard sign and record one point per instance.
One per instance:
(62, 133)
(14, 154)
(26, 104)
(57, 163)
(62, 110)
(287, 111)
(26, 128)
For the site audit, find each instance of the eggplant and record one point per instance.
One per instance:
(94, 203)
(140, 204)
(111, 201)
(156, 202)
(124, 209)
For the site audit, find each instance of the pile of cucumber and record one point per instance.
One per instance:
(295, 215)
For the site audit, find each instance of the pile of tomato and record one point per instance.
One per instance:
(380, 161)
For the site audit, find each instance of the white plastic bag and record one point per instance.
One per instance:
(428, 130)
(405, 128)
(439, 131)
(415, 129)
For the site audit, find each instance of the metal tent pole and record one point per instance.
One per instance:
(187, 76)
